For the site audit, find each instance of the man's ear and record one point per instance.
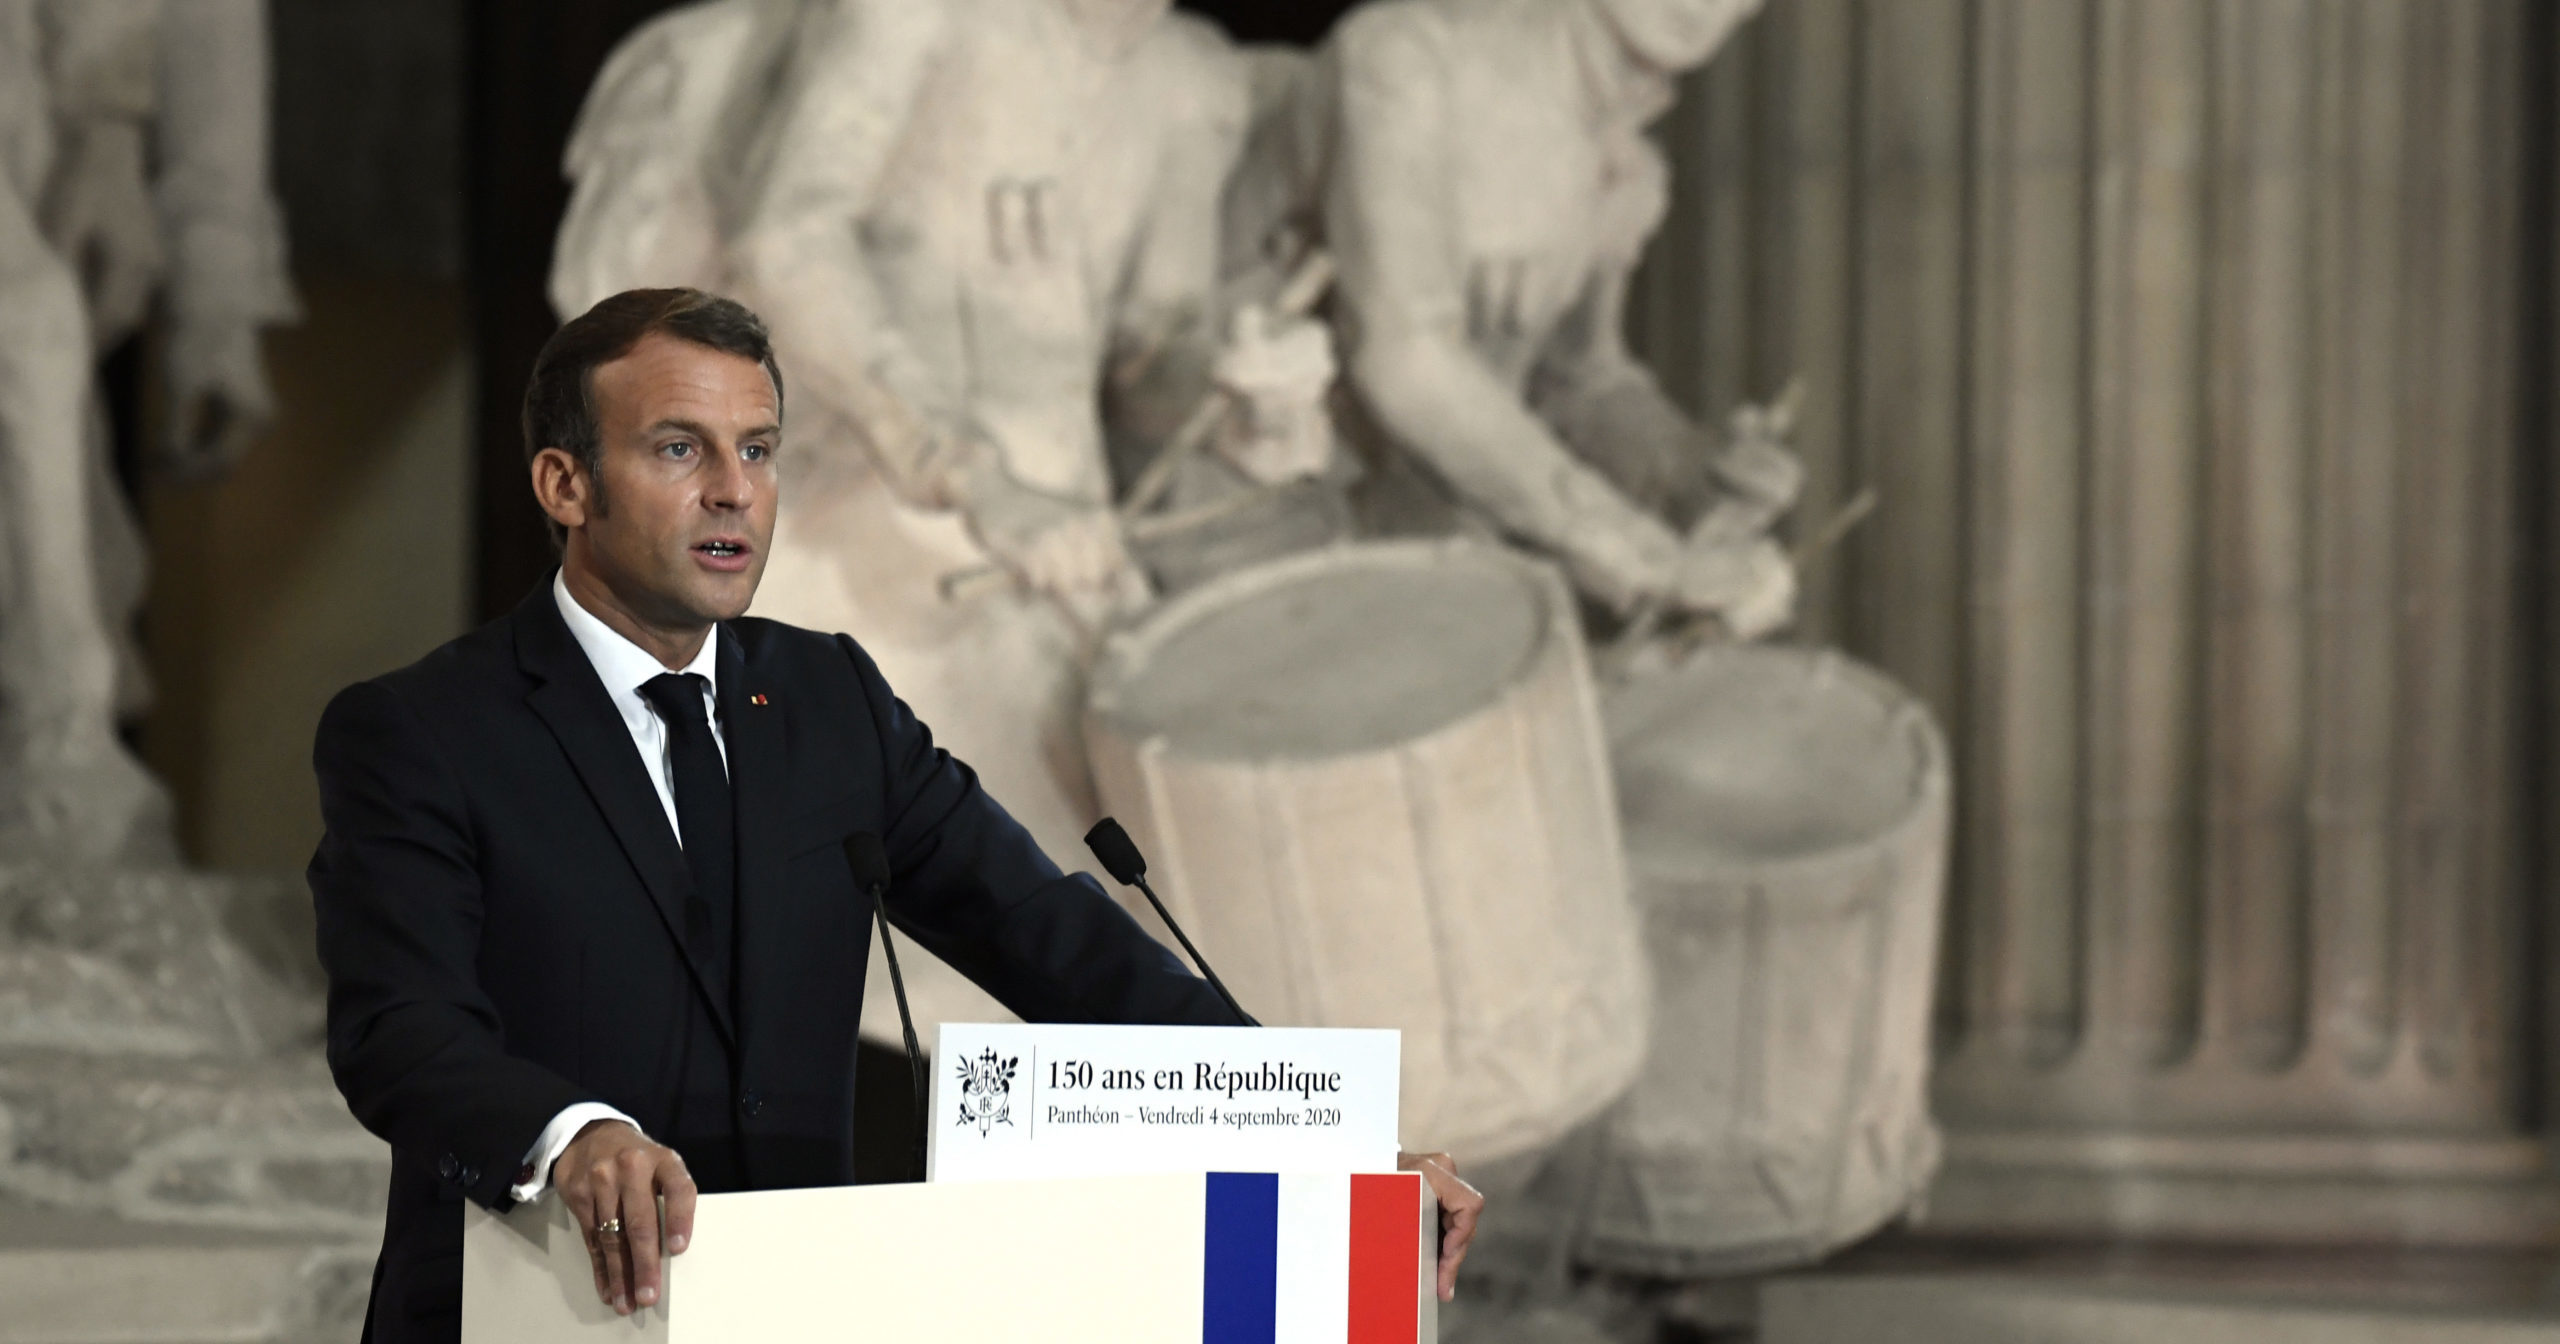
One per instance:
(563, 487)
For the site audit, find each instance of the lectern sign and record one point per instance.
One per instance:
(1019, 1101)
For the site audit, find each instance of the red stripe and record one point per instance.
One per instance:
(1386, 1306)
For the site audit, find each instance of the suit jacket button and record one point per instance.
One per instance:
(750, 1104)
(447, 1165)
(470, 1176)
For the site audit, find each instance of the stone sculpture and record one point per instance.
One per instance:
(158, 1029)
(132, 162)
(1480, 169)
(968, 223)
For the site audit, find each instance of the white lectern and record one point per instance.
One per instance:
(1214, 1258)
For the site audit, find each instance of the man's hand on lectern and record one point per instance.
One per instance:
(1460, 1205)
(612, 1177)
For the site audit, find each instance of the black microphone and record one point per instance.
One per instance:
(1120, 858)
(870, 861)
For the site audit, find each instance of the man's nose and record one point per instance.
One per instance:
(731, 485)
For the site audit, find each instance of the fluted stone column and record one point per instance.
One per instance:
(2179, 339)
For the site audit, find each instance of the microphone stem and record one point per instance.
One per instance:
(1196, 960)
(906, 1025)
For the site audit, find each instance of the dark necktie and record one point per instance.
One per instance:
(702, 816)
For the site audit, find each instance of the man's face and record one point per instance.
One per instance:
(1112, 27)
(1676, 34)
(677, 524)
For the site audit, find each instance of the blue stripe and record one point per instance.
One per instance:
(1240, 1260)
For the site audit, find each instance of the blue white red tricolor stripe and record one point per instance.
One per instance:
(1346, 1247)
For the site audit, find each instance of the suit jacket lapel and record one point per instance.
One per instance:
(758, 749)
(572, 701)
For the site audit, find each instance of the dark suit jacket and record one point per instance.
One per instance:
(500, 895)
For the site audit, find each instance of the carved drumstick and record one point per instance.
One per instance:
(1298, 297)
(1648, 621)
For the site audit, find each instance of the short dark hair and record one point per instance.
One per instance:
(559, 400)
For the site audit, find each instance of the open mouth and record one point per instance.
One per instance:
(722, 549)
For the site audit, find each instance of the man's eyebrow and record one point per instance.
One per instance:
(700, 431)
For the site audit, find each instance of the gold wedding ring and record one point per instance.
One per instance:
(609, 1228)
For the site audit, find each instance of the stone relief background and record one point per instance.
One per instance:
(2196, 350)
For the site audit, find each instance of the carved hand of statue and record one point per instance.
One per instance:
(1749, 585)
(218, 395)
(1765, 475)
(1620, 557)
(1757, 466)
(1048, 542)
(100, 218)
(1278, 370)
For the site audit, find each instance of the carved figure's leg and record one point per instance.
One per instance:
(66, 783)
(123, 564)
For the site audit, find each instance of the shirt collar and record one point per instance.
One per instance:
(623, 666)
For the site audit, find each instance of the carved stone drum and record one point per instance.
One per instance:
(1786, 818)
(1370, 782)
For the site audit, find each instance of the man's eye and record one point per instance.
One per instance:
(755, 452)
(678, 449)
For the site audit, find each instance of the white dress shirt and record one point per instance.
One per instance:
(623, 667)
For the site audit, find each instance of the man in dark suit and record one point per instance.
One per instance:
(583, 898)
